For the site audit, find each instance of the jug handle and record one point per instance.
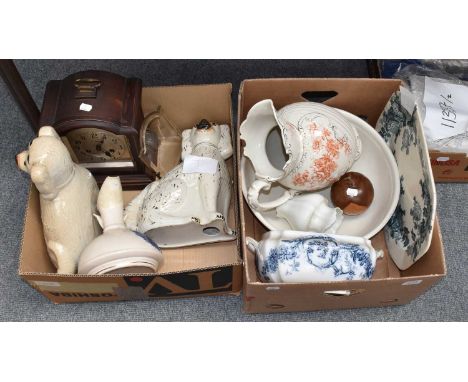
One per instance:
(261, 184)
(155, 115)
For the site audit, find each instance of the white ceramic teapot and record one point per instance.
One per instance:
(319, 146)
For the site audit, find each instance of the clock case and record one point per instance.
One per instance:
(116, 107)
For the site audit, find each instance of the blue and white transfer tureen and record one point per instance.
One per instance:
(299, 257)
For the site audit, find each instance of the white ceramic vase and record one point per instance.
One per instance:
(118, 249)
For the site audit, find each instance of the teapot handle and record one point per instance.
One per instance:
(261, 184)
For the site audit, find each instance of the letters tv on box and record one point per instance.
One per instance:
(192, 271)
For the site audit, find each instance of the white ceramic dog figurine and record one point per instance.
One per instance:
(68, 194)
(188, 207)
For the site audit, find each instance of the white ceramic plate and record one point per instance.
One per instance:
(376, 162)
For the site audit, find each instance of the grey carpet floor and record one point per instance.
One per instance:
(446, 301)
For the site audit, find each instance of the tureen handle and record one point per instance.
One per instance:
(251, 244)
(261, 184)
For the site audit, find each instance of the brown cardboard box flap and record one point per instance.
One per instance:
(185, 105)
(363, 97)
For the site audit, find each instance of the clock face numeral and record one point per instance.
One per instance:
(99, 148)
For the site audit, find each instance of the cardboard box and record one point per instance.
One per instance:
(449, 167)
(192, 271)
(388, 286)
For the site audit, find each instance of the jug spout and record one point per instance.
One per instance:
(257, 131)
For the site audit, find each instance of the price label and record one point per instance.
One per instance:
(196, 164)
(446, 109)
(86, 107)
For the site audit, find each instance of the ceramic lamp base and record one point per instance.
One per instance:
(121, 266)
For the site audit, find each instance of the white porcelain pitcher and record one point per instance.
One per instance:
(317, 147)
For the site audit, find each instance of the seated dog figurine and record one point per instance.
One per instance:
(190, 204)
(68, 195)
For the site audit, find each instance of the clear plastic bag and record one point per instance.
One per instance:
(413, 77)
(456, 68)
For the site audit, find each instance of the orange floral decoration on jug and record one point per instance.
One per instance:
(324, 166)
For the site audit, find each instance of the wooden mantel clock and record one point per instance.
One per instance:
(98, 115)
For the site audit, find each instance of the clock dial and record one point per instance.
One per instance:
(96, 148)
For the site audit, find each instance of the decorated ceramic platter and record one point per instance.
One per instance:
(376, 162)
(408, 233)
